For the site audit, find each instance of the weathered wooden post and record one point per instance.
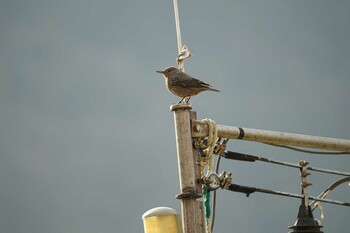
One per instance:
(189, 170)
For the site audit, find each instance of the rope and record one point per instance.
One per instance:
(212, 137)
(207, 167)
(207, 225)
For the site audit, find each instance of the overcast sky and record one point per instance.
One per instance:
(87, 141)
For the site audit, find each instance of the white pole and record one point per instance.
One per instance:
(178, 33)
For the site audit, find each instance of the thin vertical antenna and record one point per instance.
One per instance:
(178, 33)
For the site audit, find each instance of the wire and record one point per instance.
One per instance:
(253, 158)
(214, 194)
(249, 190)
(220, 152)
(309, 151)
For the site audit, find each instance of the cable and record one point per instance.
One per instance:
(253, 158)
(309, 151)
(220, 150)
(214, 194)
(249, 190)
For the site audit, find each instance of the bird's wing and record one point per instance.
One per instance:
(188, 81)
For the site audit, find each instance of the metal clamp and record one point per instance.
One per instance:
(226, 179)
(214, 181)
(220, 147)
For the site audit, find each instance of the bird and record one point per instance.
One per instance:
(183, 85)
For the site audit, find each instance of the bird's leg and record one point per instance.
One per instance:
(187, 99)
(181, 100)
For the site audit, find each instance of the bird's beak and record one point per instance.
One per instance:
(160, 71)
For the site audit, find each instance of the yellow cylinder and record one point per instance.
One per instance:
(160, 220)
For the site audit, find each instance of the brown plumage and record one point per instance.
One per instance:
(183, 85)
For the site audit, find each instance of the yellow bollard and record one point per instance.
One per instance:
(160, 220)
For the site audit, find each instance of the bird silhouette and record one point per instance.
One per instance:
(183, 85)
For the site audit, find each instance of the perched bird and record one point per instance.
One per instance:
(183, 85)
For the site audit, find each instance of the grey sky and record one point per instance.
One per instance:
(86, 136)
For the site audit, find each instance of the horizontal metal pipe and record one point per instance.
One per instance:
(200, 130)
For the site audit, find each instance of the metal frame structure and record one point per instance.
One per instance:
(188, 130)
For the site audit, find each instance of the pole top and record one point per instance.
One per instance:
(180, 106)
(305, 222)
